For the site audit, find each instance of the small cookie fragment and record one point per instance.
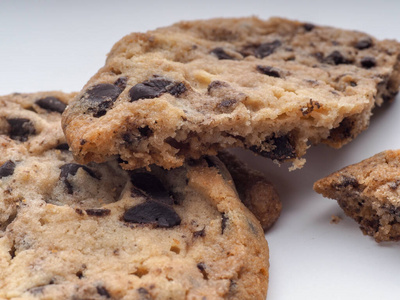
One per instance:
(255, 191)
(368, 192)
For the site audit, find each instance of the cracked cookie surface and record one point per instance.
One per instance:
(96, 231)
(368, 192)
(194, 88)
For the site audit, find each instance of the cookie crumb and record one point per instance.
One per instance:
(335, 219)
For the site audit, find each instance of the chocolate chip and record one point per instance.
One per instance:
(7, 169)
(152, 212)
(21, 129)
(343, 131)
(63, 146)
(202, 267)
(368, 62)
(200, 233)
(145, 131)
(102, 291)
(353, 83)
(72, 169)
(364, 43)
(221, 54)
(308, 26)
(226, 103)
(223, 222)
(97, 212)
(100, 98)
(281, 148)
(216, 84)
(51, 104)
(152, 187)
(346, 181)
(121, 83)
(267, 49)
(210, 162)
(335, 58)
(270, 71)
(155, 88)
(144, 294)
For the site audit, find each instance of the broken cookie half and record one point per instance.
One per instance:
(369, 192)
(191, 89)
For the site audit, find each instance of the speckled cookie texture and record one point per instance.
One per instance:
(368, 192)
(96, 231)
(194, 88)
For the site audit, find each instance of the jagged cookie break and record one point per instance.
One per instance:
(194, 88)
(96, 231)
(368, 192)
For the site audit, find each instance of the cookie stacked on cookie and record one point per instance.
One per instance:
(141, 208)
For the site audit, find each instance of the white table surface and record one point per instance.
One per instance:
(59, 45)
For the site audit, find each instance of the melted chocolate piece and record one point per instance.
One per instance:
(221, 54)
(21, 129)
(101, 97)
(152, 187)
(364, 43)
(155, 88)
(97, 212)
(308, 26)
(51, 104)
(121, 83)
(152, 212)
(368, 62)
(102, 291)
(63, 146)
(7, 169)
(282, 151)
(267, 49)
(270, 71)
(335, 58)
(72, 169)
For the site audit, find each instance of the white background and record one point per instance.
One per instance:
(49, 45)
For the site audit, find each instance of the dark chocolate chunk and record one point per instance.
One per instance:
(145, 131)
(121, 83)
(176, 89)
(282, 148)
(335, 58)
(63, 146)
(21, 129)
(267, 49)
(353, 83)
(364, 43)
(152, 212)
(155, 88)
(270, 71)
(308, 26)
(97, 212)
(144, 294)
(216, 84)
(200, 233)
(221, 54)
(202, 267)
(101, 97)
(223, 222)
(72, 168)
(51, 104)
(102, 291)
(343, 131)
(152, 187)
(226, 103)
(346, 181)
(368, 62)
(7, 168)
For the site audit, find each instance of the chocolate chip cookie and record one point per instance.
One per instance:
(369, 193)
(96, 231)
(194, 88)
